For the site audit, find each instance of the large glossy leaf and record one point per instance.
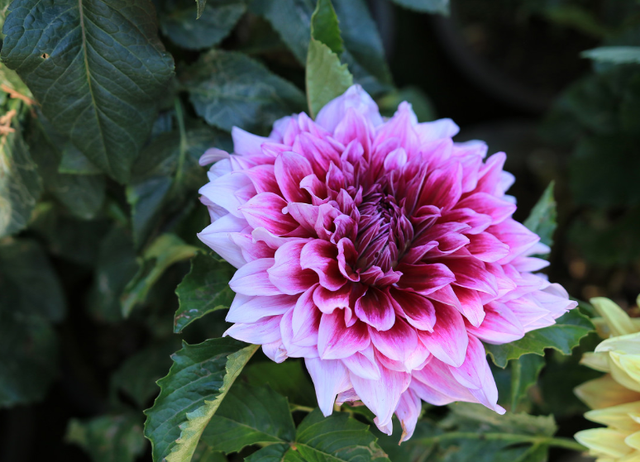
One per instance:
(97, 69)
(230, 89)
(109, 438)
(250, 415)
(214, 22)
(20, 184)
(203, 290)
(191, 393)
(563, 336)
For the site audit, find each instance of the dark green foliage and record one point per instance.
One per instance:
(222, 87)
(203, 290)
(97, 68)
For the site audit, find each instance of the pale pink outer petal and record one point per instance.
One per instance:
(253, 279)
(355, 97)
(382, 396)
(266, 330)
(329, 377)
(408, 412)
(245, 308)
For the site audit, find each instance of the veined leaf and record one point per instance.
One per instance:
(426, 6)
(230, 89)
(542, 219)
(249, 415)
(109, 438)
(326, 78)
(336, 438)
(204, 290)
(214, 22)
(20, 184)
(111, 53)
(563, 336)
(191, 393)
(166, 250)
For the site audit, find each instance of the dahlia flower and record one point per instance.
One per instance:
(380, 251)
(615, 397)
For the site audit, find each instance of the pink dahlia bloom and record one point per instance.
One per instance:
(380, 251)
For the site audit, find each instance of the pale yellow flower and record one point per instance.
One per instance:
(615, 397)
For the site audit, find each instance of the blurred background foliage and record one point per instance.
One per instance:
(91, 250)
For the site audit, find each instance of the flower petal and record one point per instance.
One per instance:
(336, 340)
(448, 341)
(375, 309)
(253, 279)
(249, 309)
(382, 396)
(329, 377)
(287, 274)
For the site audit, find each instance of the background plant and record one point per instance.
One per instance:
(107, 106)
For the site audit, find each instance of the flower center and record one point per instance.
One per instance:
(384, 231)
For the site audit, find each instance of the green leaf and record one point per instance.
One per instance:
(271, 453)
(473, 432)
(163, 252)
(426, 6)
(166, 176)
(364, 53)
(25, 266)
(326, 78)
(82, 195)
(230, 89)
(214, 22)
(542, 219)
(190, 395)
(76, 163)
(615, 55)
(20, 184)
(288, 379)
(563, 336)
(200, 5)
(28, 342)
(325, 28)
(524, 374)
(29, 349)
(137, 376)
(116, 266)
(336, 438)
(109, 438)
(204, 290)
(111, 53)
(250, 415)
